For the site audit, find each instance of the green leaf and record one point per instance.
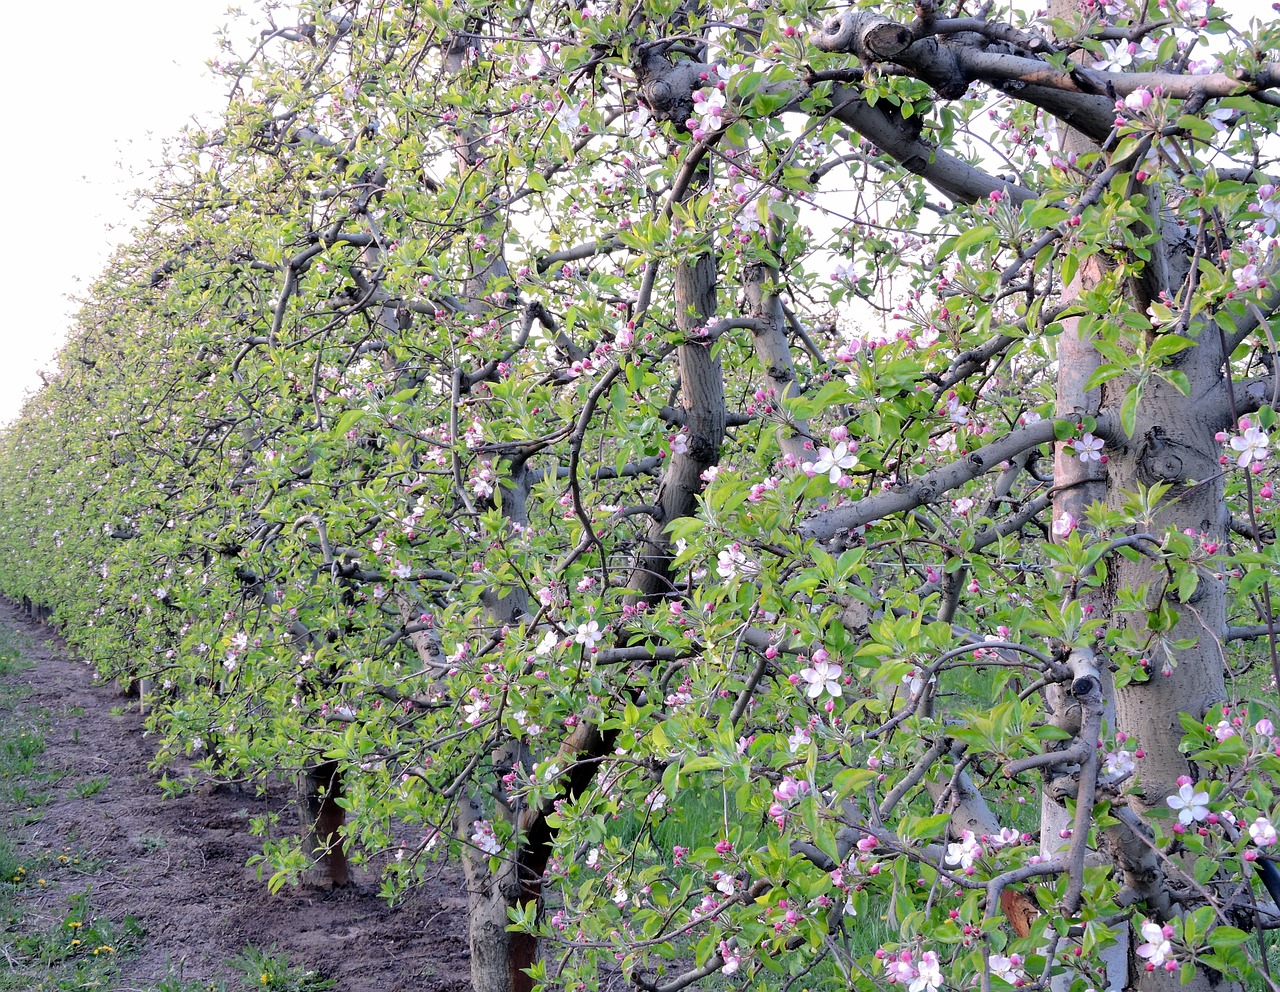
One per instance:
(1129, 408)
(700, 763)
(850, 780)
(1104, 373)
(1253, 580)
(1197, 127)
(973, 237)
(1225, 936)
(1070, 265)
(1168, 345)
(347, 421)
(1049, 216)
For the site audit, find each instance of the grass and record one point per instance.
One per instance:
(90, 787)
(76, 948)
(79, 934)
(272, 971)
(53, 943)
(175, 982)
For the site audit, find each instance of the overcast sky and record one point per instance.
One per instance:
(93, 90)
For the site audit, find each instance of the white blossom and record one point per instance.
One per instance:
(834, 462)
(929, 976)
(484, 838)
(1252, 445)
(1088, 448)
(569, 118)
(1117, 55)
(1262, 832)
(1118, 764)
(1157, 949)
(822, 676)
(588, 635)
(1007, 968)
(1189, 804)
(964, 851)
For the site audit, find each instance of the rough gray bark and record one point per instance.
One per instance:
(1173, 439)
(701, 404)
(773, 352)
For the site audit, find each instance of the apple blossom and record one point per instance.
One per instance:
(1189, 803)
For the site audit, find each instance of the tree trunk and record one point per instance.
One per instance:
(500, 958)
(703, 404)
(774, 354)
(322, 818)
(1172, 443)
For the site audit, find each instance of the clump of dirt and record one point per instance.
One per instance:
(178, 865)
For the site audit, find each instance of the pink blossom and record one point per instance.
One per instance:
(1262, 832)
(1157, 949)
(1139, 100)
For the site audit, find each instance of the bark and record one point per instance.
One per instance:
(1079, 96)
(499, 958)
(321, 816)
(318, 786)
(1077, 486)
(1172, 442)
(702, 405)
(928, 487)
(774, 354)
(902, 141)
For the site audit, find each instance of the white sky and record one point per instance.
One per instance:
(93, 90)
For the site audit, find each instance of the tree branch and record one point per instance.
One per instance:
(928, 487)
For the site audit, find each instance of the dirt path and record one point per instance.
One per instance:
(178, 865)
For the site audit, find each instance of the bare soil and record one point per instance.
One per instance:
(178, 865)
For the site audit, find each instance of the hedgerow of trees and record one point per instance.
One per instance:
(781, 492)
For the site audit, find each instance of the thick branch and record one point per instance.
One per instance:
(928, 487)
(947, 173)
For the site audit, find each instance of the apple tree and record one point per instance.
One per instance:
(779, 492)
